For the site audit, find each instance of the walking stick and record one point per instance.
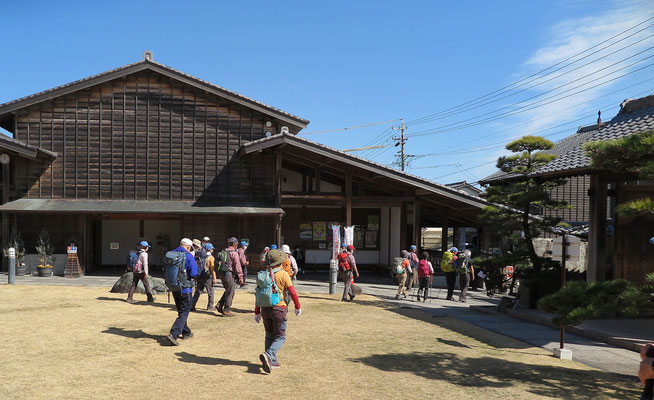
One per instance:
(168, 296)
(431, 279)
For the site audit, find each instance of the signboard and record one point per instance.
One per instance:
(114, 246)
(71, 250)
(319, 231)
(572, 251)
(371, 239)
(306, 231)
(336, 240)
(373, 223)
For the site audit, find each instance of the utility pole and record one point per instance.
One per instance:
(401, 141)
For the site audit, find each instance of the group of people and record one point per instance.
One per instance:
(412, 269)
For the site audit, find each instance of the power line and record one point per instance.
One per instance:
(349, 128)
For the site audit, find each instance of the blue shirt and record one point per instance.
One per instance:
(191, 267)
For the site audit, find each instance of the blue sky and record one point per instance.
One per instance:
(346, 63)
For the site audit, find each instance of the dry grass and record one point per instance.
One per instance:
(71, 343)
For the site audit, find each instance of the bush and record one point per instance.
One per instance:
(580, 301)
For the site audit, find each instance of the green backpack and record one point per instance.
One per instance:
(222, 261)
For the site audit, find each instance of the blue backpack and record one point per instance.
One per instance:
(266, 294)
(175, 271)
(133, 264)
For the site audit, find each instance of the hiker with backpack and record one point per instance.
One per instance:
(447, 266)
(274, 288)
(425, 272)
(347, 264)
(463, 267)
(179, 271)
(230, 272)
(206, 278)
(137, 263)
(402, 270)
(290, 265)
(413, 259)
(244, 260)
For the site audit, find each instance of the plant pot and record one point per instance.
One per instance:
(44, 271)
(21, 269)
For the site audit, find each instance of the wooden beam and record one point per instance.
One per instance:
(278, 179)
(416, 222)
(597, 229)
(444, 234)
(317, 178)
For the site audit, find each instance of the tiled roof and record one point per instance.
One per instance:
(27, 150)
(634, 116)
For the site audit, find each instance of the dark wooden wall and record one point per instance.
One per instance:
(575, 192)
(145, 136)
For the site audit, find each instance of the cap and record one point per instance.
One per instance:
(350, 247)
(273, 247)
(208, 246)
(453, 249)
(343, 244)
(244, 243)
(404, 254)
(286, 249)
(197, 242)
(413, 247)
(144, 244)
(206, 239)
(232, 240)
(186, 242)
(276, 257)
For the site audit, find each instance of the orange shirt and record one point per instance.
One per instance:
(283, 281)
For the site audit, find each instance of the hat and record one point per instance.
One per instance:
(404, 254)
(276, 257)
(413, 247)
(453, 250)
(244, 243)
(186, 242)
(273, 247)
(232, 240)
(350, 247)
(144, 244)
(208, 246)
(286, 249)
(206, 239)
(196, 242)
(343, 244)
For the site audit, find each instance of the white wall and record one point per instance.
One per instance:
(152, 228)
(395, 231)
(123, 232)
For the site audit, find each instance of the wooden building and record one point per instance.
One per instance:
(148, 152)
(618, 247)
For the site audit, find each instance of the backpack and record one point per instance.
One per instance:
(461, 265)
(266, 294)
(222, 260)
(175, 271)
(423, 269)
(134, 262)
(343, 263)
(412, 261)
(287, 266)
(397, 265)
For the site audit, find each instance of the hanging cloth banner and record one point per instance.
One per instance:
(336, 240)
(349, 235)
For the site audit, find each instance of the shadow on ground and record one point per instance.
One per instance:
(140, 303)
(137, 334)
(192, 358)
(551, 381)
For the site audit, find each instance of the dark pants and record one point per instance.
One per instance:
(274, 320)
(183, 302)
(424, 286)
(139, 276)
(225, 302)
(464, 281)
(206, 283)
(450, 278)
(347, 290)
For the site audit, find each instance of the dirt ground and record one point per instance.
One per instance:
(87, 343)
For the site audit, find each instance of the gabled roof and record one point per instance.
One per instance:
(634, 116)
(25, 150)
(429, 187)
(148, 64)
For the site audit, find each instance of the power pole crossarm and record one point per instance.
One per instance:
(400, 142)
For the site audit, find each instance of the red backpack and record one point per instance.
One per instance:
(423, 269)
(343, 263)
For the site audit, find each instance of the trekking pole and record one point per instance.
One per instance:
(168, 296)
(431, 279)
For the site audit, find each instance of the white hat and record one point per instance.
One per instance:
(286, 249)
(206, 239)
(186, 242)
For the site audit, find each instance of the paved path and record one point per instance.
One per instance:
(587, 351)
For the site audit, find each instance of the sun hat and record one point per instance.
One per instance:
(208, 246)
(276, 257)
(197, 242)
(286, 249)
(273, 247)
(244, 243)
(232, 240)
(453, 250)
(206, 239)
(186, 242)
(413, 247)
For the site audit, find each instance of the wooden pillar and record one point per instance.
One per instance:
(348, 199)
(83, 245)
(278, 178)
(416, 223)
(278, 229)
(317, 183)
(5, 216)
(444, 233)
(597, 230)
(403, 227)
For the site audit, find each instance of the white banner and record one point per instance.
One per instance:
(336, 240)
(349, 235)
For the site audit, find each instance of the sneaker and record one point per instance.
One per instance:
(352, 297)
(228, 314)
(172, 340)
(265, 362)
(130, 301)
(275, 365)
(418, 298)
(211, 308)
(397, 297)
(151, 299)
(187, 336)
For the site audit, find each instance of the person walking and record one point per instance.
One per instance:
(292, 262)
(405, 266)
(464, 268)
(274, 318)
(230, 273)
(183, 297)
(348, 275)
(414, 260)
(206, 278)
(425, 272)
(244, 261)
(205, 241)
(299, 258)
(449, 257)
(200, 255)
(140, 273)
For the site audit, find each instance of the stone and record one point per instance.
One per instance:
(563, 354)
(122, 285)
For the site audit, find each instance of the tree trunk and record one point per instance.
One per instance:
(535, 260)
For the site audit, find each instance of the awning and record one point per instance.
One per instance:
(133, 207)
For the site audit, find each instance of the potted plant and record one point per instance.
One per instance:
(45, 250)
(17, 243)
